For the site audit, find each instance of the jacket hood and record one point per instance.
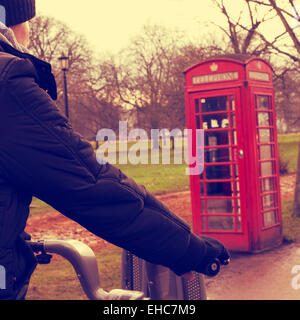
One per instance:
(7, 36)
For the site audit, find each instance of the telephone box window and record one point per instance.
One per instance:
(202, 189)
(214, 104)
(268, 184)
(234, 137)
(237, 206)
(198, 123)
(268, 201)
(267, 168)
(265, 135)
(263, 102)
(216, 138)
(218, 172)
(269, 218)
(264, 119)
(220, 223)
(219, 189)
(266, 152)
(197, 109)
(216, 121)
(233, 125)
(236, 171)
(217, 155)
(232, 103)
(218, 206)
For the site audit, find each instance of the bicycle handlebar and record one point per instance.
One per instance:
(84, 262)
(85, 265)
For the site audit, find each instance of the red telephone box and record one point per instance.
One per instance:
(236, 195)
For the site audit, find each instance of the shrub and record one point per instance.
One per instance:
(283, 166)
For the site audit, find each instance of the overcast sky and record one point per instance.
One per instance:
(109, 24)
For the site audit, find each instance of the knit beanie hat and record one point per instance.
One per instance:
(13, 12)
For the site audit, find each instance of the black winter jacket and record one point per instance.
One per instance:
(41, 156)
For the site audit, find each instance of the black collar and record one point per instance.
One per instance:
(43, 69)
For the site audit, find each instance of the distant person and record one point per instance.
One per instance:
(41, 156)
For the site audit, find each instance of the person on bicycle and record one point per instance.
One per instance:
(41, 156)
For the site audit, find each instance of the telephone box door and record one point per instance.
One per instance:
(220, 207)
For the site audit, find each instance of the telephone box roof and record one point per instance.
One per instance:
(240, 58)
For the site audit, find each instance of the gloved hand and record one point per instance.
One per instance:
(201, 251)
(213, 249)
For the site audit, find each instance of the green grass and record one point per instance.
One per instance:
(291, 225)
(288, 150)
(159, 179)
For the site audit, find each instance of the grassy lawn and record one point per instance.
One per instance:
(288, 150)
(58, 281)
(159, 179)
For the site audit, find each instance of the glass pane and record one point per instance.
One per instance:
(267, 168)
(233, 120)
(264, 119)
(269, 218)
(219, 189)
(232, 103)
(218, 172)
(237, 189)
(237, 206)
(234, 137)
(236, 171)
(216, 138)
(265, 135)
(217, 155)
(268, 184)
(215, 121)
(268, 201)
(203, 223)
(197, 109)
(219, 206)
(202, 203)
(198, 123)
(214, 104)
(239, 223)
(220, 223)
(263, 102)
(201, 189)
(266, 152)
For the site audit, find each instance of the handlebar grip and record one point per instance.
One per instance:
(212, 268)
(225, 262)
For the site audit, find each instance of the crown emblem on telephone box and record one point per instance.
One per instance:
(214, 67)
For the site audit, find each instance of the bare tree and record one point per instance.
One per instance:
(243, 30)
(149, 75)
(288, 13)
(144, 75)
(90, 96)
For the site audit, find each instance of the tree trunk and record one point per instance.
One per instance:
(296, 208)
